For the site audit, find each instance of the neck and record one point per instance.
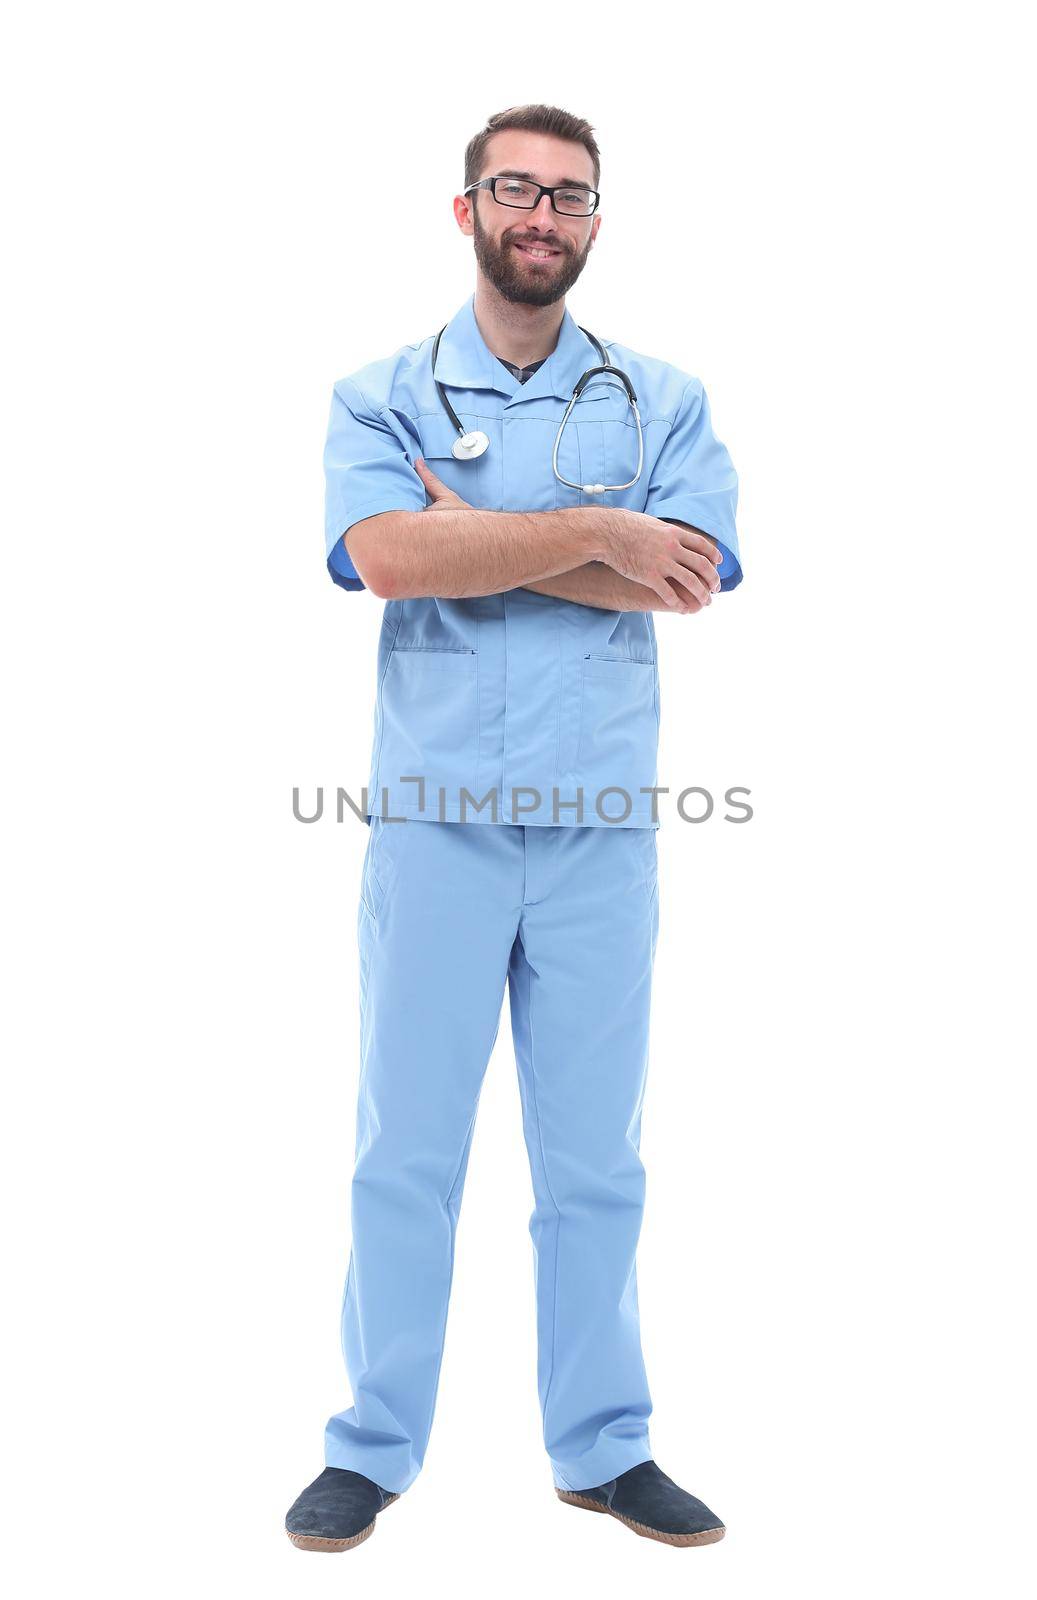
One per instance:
(516, 333)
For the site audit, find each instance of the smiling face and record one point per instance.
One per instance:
(530, 257)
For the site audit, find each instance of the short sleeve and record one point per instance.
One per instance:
(366, 471)
(694, 481)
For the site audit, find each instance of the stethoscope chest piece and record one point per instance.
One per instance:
(470, 445)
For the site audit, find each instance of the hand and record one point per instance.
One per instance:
(443, 499)
(678, 562)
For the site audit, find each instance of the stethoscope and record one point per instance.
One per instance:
(470, 445)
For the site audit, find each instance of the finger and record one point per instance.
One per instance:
(434, 487)
(693, 583)
(695, 541)
(690, 602)
(426, 472)
(680, 596)
(697, 573)
(701, 566)
(666, 593)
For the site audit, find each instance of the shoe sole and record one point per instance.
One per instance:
(707, 1536)
(310, 1541)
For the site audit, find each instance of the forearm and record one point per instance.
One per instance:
(459, 554)
(595, 584)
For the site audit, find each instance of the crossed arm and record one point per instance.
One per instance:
(601, 556)
(595, 583)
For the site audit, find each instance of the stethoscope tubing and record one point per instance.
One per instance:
(478, 447)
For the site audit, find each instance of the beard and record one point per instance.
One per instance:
(522, 284)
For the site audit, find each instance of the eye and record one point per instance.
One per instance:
(576, 201)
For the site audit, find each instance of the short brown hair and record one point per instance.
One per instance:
(531, 119)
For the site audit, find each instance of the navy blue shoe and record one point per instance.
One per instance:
(337, 1511)
(652, 1505)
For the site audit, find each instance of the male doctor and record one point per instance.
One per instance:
(515, 740)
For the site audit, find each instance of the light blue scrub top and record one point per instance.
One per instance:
(544, 711)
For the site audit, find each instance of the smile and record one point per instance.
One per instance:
(537, 253)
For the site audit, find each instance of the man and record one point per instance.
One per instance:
(515, 734)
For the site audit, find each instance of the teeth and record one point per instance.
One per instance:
(538, 255)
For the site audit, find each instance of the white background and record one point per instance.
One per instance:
(821, 211)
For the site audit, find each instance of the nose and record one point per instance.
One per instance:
(542, 215)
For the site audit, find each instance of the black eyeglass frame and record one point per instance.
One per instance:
(541, 189)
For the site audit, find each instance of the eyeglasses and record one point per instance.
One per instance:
(567, 199)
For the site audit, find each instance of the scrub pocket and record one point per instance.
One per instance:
(646, 843)
(430, 713)
(649, 865)
(618, 738)
(385, 845)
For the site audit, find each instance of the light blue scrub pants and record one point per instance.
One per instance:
(568, 917)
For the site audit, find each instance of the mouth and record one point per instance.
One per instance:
(537, 252)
